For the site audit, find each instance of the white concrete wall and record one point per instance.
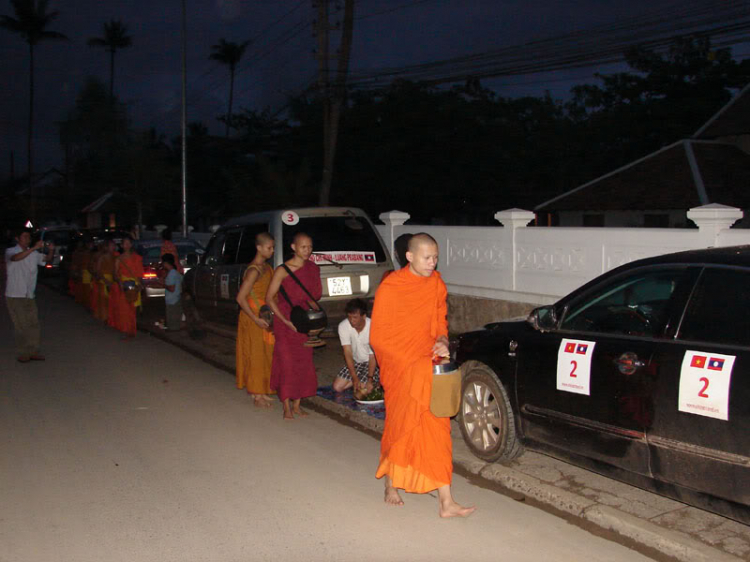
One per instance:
(539, 265)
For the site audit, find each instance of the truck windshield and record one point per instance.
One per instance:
(342, 239)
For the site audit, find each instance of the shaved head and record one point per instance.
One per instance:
(299, 236)
(419, 239)
(422, 254)
(263, 238)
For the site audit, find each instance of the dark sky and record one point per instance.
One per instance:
(279, 62)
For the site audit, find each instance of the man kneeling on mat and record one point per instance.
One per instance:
(361, 369)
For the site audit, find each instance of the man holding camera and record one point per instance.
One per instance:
(22, 262)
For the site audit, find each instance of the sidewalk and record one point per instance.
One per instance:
(654, 524)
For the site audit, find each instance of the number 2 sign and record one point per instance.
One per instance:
(704, 384)
(574, 366)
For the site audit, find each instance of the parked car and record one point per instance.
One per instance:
(153, 273)
(346, 246)
(642, 374)
(63, 237)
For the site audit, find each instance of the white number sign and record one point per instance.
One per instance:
(289, 218)
(704, 384)
(339, 286)
(574, 366)
(224, 286)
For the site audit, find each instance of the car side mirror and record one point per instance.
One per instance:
(191, 260)
(543, 318)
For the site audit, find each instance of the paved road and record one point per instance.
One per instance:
(137, 452)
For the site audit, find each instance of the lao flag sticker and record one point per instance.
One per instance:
(574, 366)
(704, 384)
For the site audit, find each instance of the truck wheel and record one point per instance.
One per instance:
(486, 415)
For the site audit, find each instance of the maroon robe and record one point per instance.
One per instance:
(292, 371)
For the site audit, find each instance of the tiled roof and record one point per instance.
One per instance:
(731, 120)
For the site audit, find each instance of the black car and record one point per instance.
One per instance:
(641, 374)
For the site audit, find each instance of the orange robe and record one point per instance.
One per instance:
(130, 268)
(168, 247)
(409, 314)
(94, 286)
(106, 268)
(255, 345)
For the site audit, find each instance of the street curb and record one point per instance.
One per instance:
(634, 530)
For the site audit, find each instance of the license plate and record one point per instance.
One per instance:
(339, 286)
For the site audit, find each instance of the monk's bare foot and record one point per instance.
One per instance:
(300, 412)
(260, 403)
(267, 398)
(288, 416)
(392, 496)
(452, 509)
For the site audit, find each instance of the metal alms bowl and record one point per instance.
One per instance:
(443, 368)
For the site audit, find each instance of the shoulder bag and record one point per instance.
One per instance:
(305, 320)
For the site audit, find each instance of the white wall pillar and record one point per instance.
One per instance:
(711, 219)
(392, 219)
(514, 219)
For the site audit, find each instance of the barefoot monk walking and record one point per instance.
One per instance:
(409, 327)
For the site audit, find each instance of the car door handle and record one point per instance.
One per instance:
(628, 363)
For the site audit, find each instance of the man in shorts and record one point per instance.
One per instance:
(361, 369)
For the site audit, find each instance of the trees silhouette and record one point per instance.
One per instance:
(229, 53)
(115, 37)
(30, 22)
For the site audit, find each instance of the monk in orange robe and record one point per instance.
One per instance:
(128, 268)
(106, 271)
(409, 327)
(255, 341)
(168, 247)
(96, 255)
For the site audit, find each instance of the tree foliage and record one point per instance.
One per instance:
(115, 38)
(451, 155)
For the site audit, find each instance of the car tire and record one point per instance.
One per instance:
(486, 416)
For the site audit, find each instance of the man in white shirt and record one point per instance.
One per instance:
(22, 262)
(361, 370)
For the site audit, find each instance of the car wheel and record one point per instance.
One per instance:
(486, 416)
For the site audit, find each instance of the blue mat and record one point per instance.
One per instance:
(346, 398)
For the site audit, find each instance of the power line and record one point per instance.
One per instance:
(601, 44)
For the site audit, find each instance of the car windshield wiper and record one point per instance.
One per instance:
(325, 257)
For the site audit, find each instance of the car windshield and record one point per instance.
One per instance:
(153, 253)
(348, 237)
(58, 237)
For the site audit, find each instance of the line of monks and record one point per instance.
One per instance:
(100, 277)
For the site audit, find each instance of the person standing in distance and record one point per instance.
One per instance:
(22, 263)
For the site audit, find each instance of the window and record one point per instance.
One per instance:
(632, 305)
(231, 245)
(247, 244)
(336, 234)
(718, 308)
(215, 247)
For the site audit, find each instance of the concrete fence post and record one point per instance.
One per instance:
(711, 219)
(392, 219)
(514, 219)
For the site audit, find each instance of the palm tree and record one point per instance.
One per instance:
(115, 37)
(229, 53)
(30, 23)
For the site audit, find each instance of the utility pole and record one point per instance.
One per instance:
(333, 91)
(184, 120)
